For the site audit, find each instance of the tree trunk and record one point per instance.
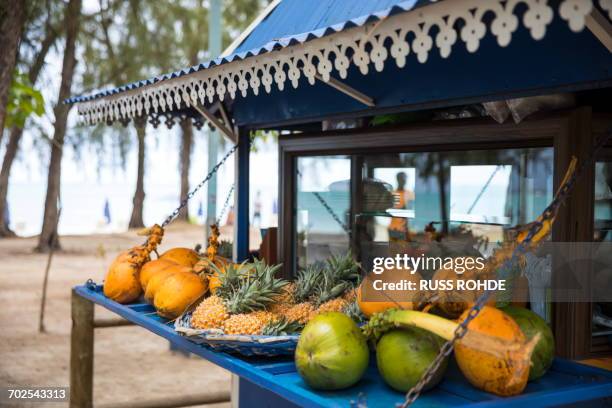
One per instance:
(9, 157)
(48, 236)
(12, 19)
(139, 195)
(16, 133)
(185, 163)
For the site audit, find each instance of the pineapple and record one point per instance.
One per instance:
(345, 268)
(241, 299)
(242, 323)
(330, 287)
(210, 314)
(335, 305)
(248, 323)
(299, 313)
(287, 294)
(255, 292)
(350, 295)
(225, 249)
(283, 301)
(352, 310)
(230, 278)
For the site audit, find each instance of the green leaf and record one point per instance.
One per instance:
(23, 101)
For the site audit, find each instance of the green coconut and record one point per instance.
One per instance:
(332, 352)
(532, 324)
(404, 355)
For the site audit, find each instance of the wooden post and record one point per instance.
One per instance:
(572, 321)
(241, 234)
(81, 352)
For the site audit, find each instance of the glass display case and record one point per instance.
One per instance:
(378, 204)
(452, 188)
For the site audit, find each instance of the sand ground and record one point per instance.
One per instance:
(130, 363)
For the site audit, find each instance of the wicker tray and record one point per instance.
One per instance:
(239, 344)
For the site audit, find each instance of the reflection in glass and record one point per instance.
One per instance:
(455, 203)
(602, 311)
(323, 203)
(603, 201)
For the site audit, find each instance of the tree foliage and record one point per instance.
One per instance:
(23, 101)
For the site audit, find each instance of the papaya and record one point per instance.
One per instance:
(151, 268)
(178, 292)
(156, 280)
(381, 300)
(532, 324)
(181, 256)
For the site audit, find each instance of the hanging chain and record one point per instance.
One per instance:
(225, 205)
(329, 209)
(190, 195)
(331, 212)
(547, 215)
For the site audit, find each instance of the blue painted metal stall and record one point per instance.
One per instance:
(308, 61)
(274, 382)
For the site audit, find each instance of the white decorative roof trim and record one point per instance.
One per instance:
(349, 47)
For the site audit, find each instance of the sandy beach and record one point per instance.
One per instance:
(130, 363)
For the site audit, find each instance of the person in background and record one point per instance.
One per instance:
(403, 198)
(107, 214)
(200, 210)
(257, 209)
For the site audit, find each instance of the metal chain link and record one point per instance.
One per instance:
(331, 212)
(190, 195)
(329, 209)
(547, 215)
(225, 205)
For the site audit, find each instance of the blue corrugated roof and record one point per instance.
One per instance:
(293, 17)
(291, 22)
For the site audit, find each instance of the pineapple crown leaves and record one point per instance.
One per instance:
(229, 278)
(352, 310)
(345, 268)
(255, 289)
(225, 249)
(307, 281)
(281, 327)
(329, 287)
(341, 273)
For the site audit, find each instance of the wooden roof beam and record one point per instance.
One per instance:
(348, 90)
(601, 28)
(216, 122)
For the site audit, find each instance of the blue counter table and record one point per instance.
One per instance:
(274, 382)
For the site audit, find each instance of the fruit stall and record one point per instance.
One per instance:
(469, 131)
